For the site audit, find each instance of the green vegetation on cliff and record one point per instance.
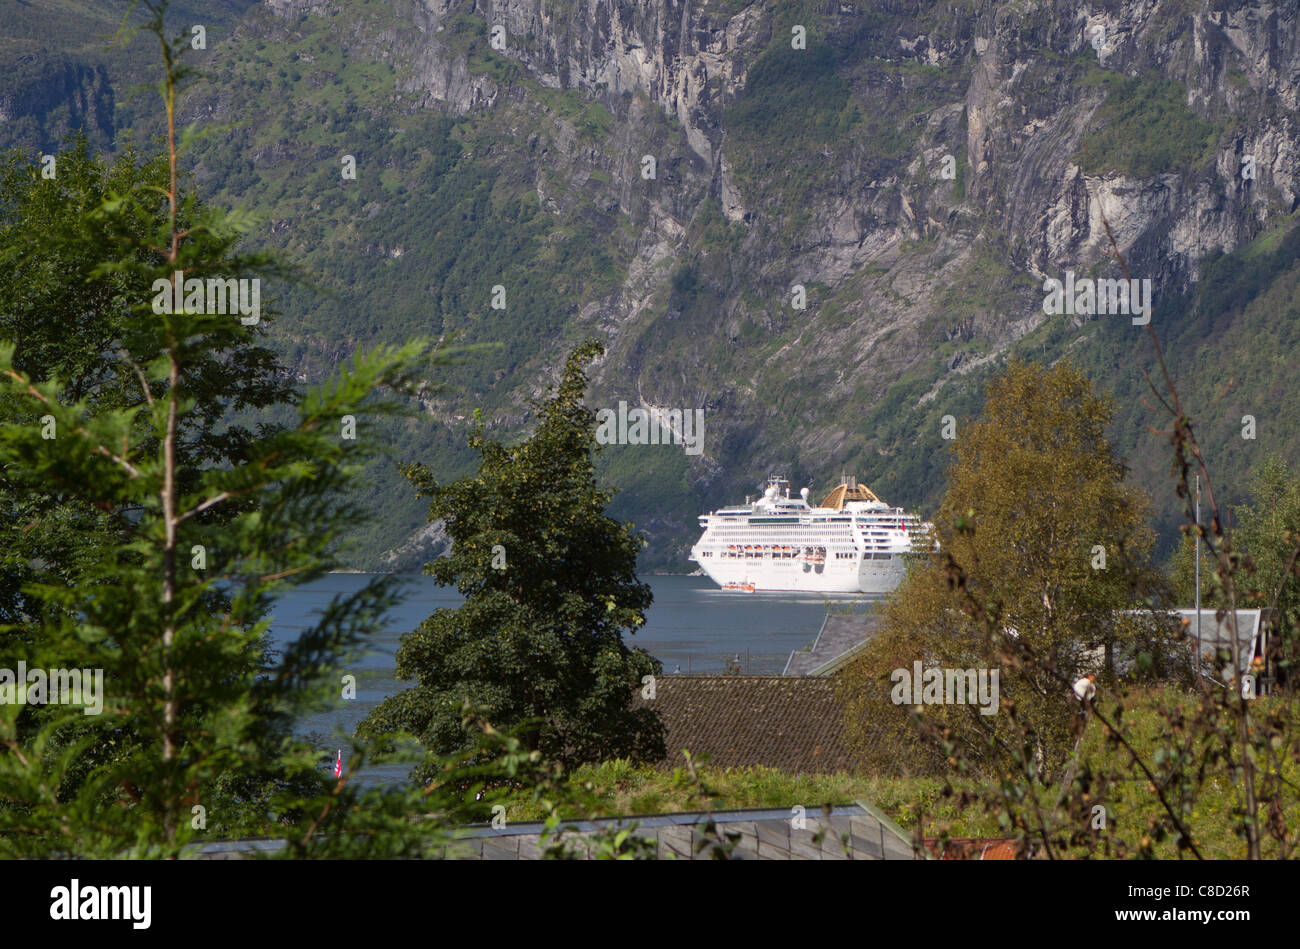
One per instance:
(474, 173)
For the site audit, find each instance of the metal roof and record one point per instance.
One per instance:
(847, 492)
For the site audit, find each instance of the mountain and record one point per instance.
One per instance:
(673, 176)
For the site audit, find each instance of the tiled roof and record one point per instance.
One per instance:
(788, 722)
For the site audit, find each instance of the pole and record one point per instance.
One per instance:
(1198, 573)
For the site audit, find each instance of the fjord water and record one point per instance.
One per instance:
(691, 626)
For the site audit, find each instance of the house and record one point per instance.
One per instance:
(1199, 643)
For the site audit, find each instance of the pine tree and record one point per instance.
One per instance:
(68, 302)
(550, 588)
(178, 725)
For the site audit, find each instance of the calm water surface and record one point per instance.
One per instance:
(692, 626)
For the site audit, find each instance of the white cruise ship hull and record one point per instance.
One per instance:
(789, 576)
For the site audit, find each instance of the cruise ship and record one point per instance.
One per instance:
(852, 543)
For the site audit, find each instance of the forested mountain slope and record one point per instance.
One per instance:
(918, 168)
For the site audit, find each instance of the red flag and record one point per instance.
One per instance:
(338, 764)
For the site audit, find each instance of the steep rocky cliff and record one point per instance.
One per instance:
(913, 170)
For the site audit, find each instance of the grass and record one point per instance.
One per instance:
(621, 787)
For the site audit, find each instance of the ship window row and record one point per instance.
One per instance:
(750, 532)
(792, 555)
(790, 552)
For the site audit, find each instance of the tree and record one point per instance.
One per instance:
(550, 587)
(1268, 531)
(1181, 570)
(73, 316)
(78, 254)
(1153, 770)
(163, 718)
(1036, 519)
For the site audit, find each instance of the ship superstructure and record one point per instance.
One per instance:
(852, 543)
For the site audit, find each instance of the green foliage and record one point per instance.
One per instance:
(1144, 128)
(193, 714)
(549, 584)
(931, 805)
(794, 103)
(77, 257)
(717, 234)
(685, 285)
(1042, 792)
(1268, 531)
(422, 173)
(1231, 282)
(795, 97)
(1181, 569)
(648, 478)
(1229, 340)
(187, 728)
(415, 244)
(469, 35)
(1034, 490)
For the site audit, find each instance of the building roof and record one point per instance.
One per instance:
(849, 832)
(1216, 634)
(793, 723)
(840, 636)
